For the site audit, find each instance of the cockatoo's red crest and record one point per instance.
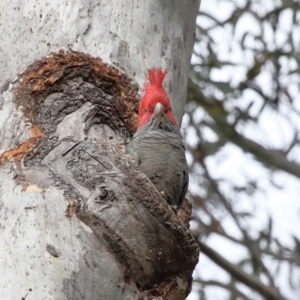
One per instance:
(154, 93)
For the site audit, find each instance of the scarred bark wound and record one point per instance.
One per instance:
(83, 112)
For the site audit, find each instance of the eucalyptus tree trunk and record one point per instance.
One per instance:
(78, 220)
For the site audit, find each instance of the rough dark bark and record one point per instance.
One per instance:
(83, 113)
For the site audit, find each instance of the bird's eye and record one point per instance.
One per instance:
(146, 110)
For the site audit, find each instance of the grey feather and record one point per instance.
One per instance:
(158, 149)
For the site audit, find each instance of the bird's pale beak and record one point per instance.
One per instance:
(159, 110)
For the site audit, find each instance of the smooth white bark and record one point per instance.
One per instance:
(40, 247)
(134, 35)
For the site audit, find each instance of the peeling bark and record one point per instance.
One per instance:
(123, 215)
(78, 219)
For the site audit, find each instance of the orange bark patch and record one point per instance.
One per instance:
(45, 77)
(25, 148)
(45, 73)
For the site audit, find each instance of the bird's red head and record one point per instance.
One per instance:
(154, 93)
